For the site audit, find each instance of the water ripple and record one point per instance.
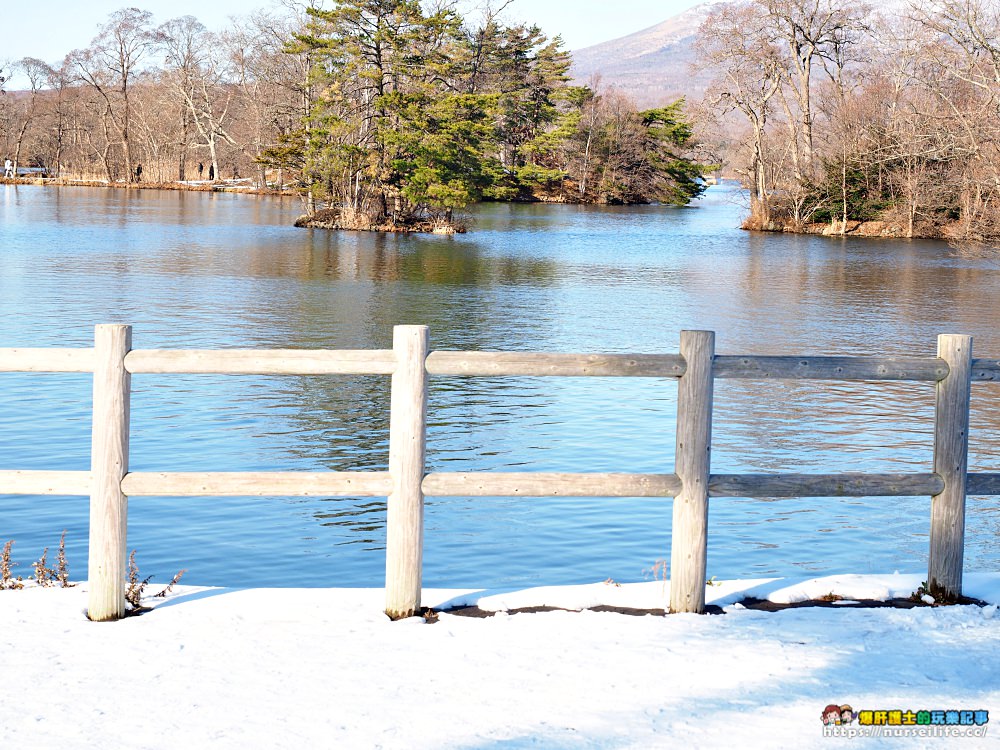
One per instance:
(206, 270)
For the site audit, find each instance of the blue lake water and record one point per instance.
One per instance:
(194, 270)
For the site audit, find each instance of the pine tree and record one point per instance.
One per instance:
(416, 115)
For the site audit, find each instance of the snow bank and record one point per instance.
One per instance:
(324, 668)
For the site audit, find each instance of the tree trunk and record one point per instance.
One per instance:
(127, 144)
(17, 148)
(586, 162)
(843, 191)
(213, 159)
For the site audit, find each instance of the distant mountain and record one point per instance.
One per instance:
(659, 64)
(653, 66)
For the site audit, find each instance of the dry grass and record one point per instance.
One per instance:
(136, 587)
(6, 580)
(659, 572)
(46, 576)
(43, 574)
(62, 567)
(169, 587)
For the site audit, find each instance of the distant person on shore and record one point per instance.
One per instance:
(201, 168)
(8, 168)
(211, 171)
(138, 172)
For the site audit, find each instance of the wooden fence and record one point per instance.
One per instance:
(409, 363)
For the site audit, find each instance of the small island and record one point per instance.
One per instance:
(419, 114)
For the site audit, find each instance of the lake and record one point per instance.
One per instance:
(201, 270)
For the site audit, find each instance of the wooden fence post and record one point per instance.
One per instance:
(109, 464)
(407, 448)
(689, 542)
(951, 458)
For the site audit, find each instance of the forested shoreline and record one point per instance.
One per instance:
(842, 116)
(382, 114)
(837, 116)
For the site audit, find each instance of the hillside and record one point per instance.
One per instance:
(655, 65)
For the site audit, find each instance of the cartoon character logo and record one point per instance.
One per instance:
(847, 715)
(831, 714)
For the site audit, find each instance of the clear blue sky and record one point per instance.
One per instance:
(48, 29)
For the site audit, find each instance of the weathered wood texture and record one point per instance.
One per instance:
(46, 360)
(258, 484)
(542, 484)
(542, 364)
(489, 484)
(689, 540)
(824, 485)
(109, 463)
(410, 363)
(951, 450)
(983, 484)
(382, 362)
(262, 361)
(831, 368)
(407, 449)
(667, 365)
(44, 482)
(986, 370)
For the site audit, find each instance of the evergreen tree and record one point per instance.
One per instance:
(416, 115)
(672, 177)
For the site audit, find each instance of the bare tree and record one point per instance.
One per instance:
(110, 66)
(961, 70)
(273, 84)
(739, 41)
(591, 121)
(27, 107)
(185, 42)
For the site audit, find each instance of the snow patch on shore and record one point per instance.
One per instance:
(279, 668)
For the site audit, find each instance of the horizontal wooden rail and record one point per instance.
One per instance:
(258, 483)
(983, 484)
(542, 484)
(489, 484)
(262, 361)
(565, 365)
(824, 485)
(830, 368)
(46, 360)
(985, 370)
(109, 483)
(44, 482)
(498, 364)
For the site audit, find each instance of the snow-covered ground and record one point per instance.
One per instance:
(324, 668)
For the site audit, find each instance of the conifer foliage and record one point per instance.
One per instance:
(416, 113)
